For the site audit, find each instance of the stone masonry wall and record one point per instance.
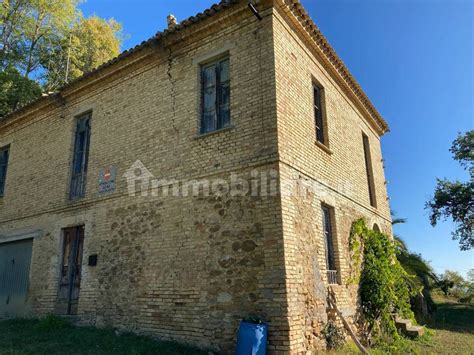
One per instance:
(179, 268)
(305, 259)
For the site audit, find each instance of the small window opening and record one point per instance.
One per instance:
(331, 267)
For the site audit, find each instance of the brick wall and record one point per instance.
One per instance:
(312, 175)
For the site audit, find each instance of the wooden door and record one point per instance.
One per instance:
(70, 283)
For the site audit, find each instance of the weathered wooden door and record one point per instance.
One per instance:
(15, 259)
(70, 283)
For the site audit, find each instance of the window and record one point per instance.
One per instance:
(215, 96)
(81, 156)
(318, 114)
(3, 168)
(376, 228)
(369, 171)
(329, 245)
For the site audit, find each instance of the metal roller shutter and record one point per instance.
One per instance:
(15, 260)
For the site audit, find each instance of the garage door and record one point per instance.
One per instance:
(15, 259)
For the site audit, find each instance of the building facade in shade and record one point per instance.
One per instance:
(210, 173)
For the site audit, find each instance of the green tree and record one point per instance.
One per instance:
(49, 41)
(470, 280)
(413, 263)
(451, 282)
(99, 40)
(455, 199)
(424, 276)
(90, 42)
(397, 220)
(13, 14)
(445, 285)
(45, 21)
(15, 90)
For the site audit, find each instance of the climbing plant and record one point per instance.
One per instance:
(385, 287)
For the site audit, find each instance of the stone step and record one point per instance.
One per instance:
(407, 328)
(402, 324)
(415, 331)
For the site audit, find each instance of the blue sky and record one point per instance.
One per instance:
(413, 58)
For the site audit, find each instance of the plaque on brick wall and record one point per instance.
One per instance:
(107, 179)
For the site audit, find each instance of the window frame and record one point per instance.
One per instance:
(330, 245)
(369, 171)
(78, 180)
(3, 178)
(319, 115)
(219, 108)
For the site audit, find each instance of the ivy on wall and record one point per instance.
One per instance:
(385, 287)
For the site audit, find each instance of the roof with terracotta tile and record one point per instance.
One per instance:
(294, 5)
(157, 37)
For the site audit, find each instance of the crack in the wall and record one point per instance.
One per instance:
(172, 81)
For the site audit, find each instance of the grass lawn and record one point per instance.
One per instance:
(55, 336)
(453, 325)
(451, 331)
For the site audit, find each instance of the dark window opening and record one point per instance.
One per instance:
(369, 171)
(318, 114)
(81, 157)
(215, 96)
(3, 168)
(331, 266)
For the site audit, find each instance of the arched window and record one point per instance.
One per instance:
(376, 227)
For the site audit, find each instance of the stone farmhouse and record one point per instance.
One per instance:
(210, 173)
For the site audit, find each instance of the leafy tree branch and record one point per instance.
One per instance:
(49, 42)
(455, 199)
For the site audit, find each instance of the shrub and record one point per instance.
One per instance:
(334, 335)
(468, 299)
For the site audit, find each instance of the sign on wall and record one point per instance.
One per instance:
(107, 179)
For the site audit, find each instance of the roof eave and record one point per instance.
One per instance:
(40, 102)
(337, 65)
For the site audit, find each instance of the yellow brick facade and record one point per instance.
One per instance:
(315, 175)
(188, 268)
